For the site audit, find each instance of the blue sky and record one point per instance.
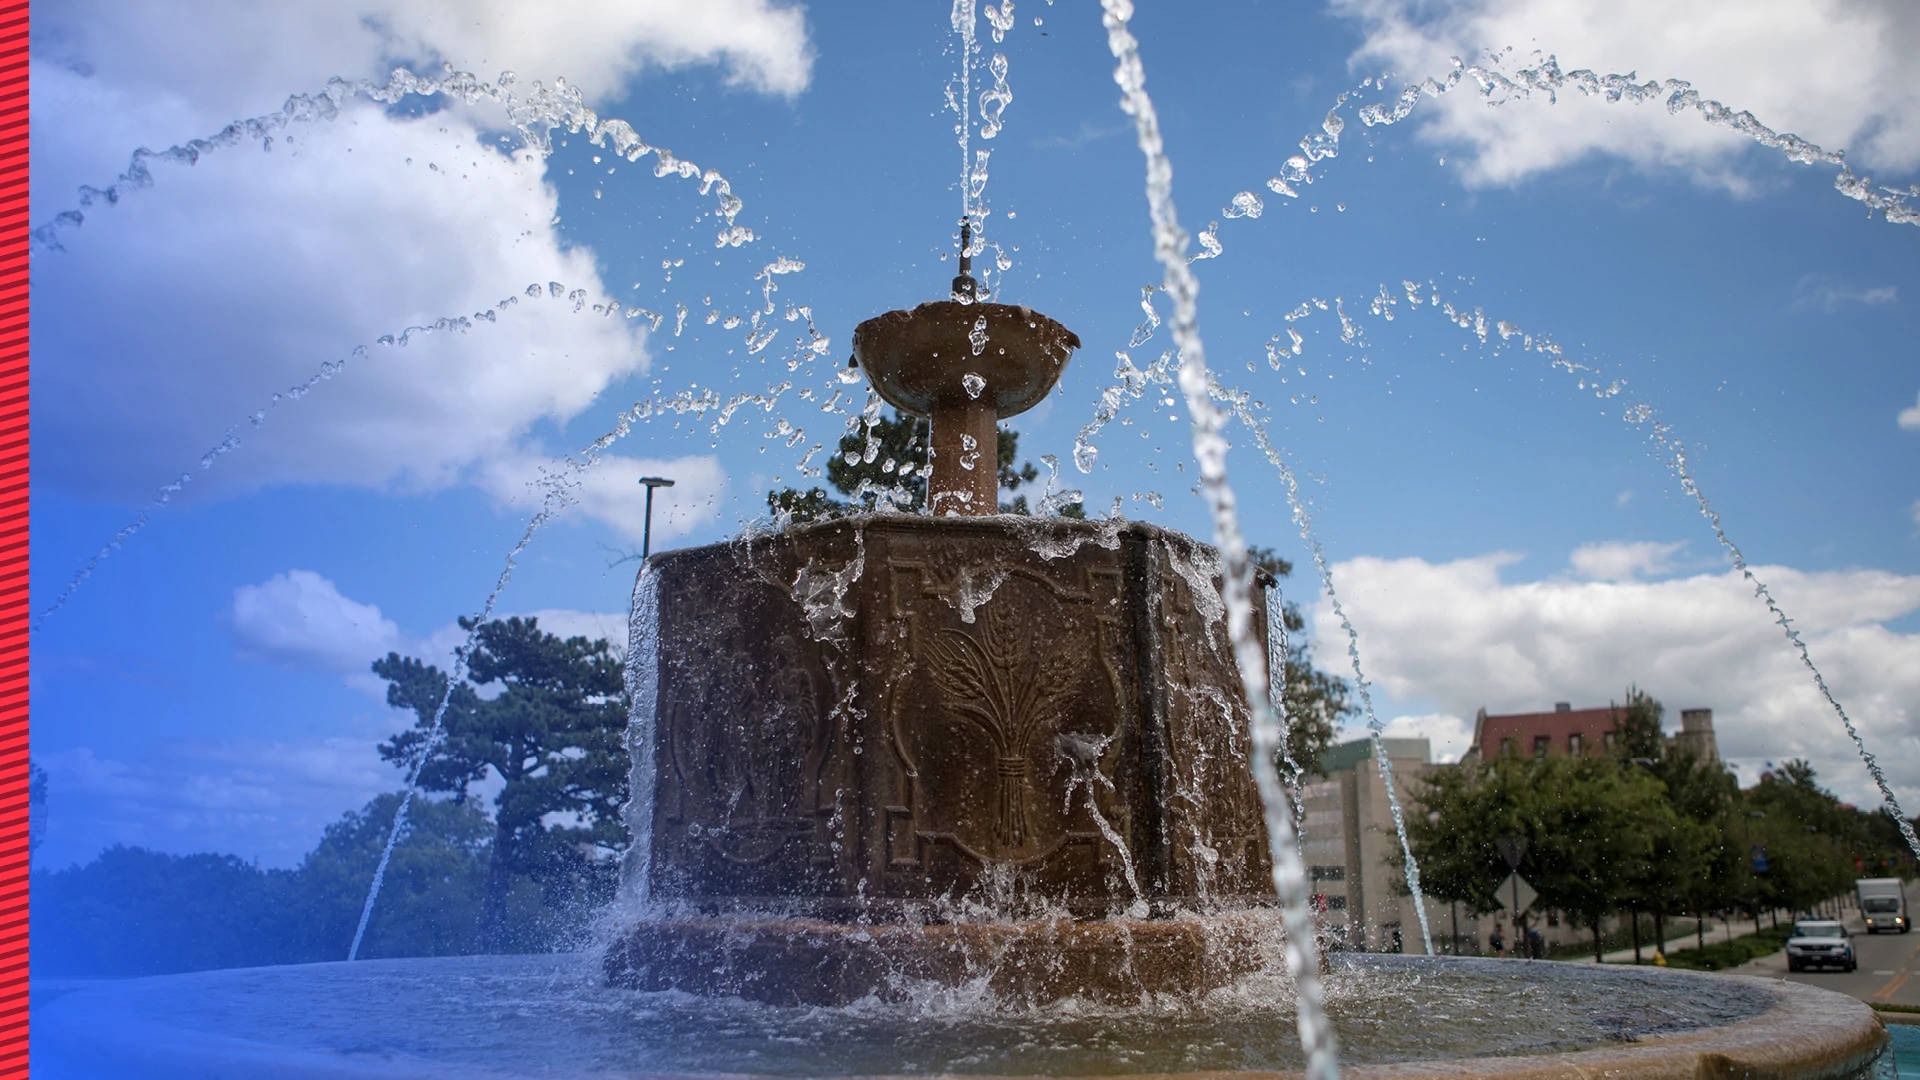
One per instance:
(1499, 536)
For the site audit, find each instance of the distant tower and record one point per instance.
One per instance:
(1696, 734)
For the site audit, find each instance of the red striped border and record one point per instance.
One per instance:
(13, 539)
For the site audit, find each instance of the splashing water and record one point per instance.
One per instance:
(535, 114)
(642, 674)
(560, 486)
(963, 25)
(1897, 206)
(1082, 754)
(760, 333)
(1290, 880)
(1276, 697)
(1237, 402)
(1592, 380)
(328, 371)
(1677, 461)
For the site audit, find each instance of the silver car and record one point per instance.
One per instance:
(1820, 943)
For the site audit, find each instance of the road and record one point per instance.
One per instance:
(1889, 968)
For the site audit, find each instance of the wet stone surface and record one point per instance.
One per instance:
(949, 719)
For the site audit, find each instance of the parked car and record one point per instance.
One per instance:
(1820, 943)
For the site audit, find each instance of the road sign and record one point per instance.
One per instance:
(1515, 895)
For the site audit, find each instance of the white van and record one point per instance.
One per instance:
(1883, 903)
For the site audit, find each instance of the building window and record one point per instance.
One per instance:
(1612, 737)
(1553, 917)
(1506, 747)
(1336, 903)
(1573, 744)
(1540, 744)
(1329, 873)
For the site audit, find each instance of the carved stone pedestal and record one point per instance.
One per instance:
(810, 962)
(992, 723)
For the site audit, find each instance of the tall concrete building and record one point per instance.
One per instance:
(1352, 848)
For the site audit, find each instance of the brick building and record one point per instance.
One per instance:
(1567, 731)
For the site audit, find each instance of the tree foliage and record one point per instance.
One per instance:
(1590, 827)
(884, 466)
(432, 899)
(132, 911)
(1647, 828)
(1638, 724)
(545, 716)
(1805, 839)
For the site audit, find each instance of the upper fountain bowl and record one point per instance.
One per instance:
(921, 360)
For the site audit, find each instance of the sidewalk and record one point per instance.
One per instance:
(1716, 931)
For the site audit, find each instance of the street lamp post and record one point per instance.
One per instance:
(646, 531)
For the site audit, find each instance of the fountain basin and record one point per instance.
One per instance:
(917, 360)
(551, 1017)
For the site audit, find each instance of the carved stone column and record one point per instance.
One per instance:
(967, 366)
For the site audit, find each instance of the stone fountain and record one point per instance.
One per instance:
(905, 784)
(898, 749)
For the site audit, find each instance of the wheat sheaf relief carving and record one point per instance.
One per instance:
(1009, 680)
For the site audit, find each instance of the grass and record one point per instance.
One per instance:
(1727, 954)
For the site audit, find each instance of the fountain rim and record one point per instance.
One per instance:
(1804, 1031)
(1099, 532)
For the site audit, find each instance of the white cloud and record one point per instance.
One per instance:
(611, 492)
(1619, 560)
(248, 56)
(761, 45)
(1448, 735)
(215, 300)
(1910, 416)
(300, 618)
(1833, 71)
(174, 316)
(608, 626)
(1451, 638)
(1812, 292)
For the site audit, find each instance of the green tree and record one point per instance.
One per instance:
(1589, 827)
(886, 464)
(431, 899)
(131, 911)
(551, 727)
(1801, 830)
(1705, 794)
(1690, 866)
(1638, 724)
(1690, 863)
(1315, 701)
